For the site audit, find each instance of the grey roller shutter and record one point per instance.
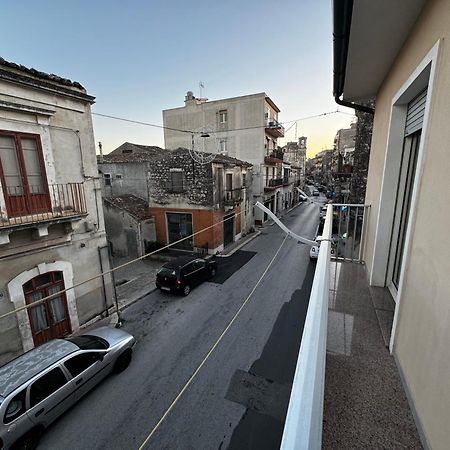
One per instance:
(416, 111)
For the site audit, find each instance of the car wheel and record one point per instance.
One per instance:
(123, 361)
(28, 441)
(213, 272)
(186, 290)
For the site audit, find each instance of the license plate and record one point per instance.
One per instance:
(165, 288)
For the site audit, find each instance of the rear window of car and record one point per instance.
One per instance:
(167, 271)
(88, 342)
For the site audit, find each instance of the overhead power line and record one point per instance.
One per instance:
(163, 127)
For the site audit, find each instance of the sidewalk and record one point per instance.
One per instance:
(135, 280)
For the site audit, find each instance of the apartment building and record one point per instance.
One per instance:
(246, 128)
(52, 233)
(405, 63)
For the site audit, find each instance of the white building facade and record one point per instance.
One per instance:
(245, 128)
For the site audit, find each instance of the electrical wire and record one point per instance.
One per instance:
(106, 272)
(211, 350)
(163, 127)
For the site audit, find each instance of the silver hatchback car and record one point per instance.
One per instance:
(38, 386)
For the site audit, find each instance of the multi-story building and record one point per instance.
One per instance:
(318, 168)
(52, 234)
(186, 197)
(243, 127)
(295, 153)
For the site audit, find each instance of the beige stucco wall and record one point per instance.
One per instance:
(422, 339)
(68, 148)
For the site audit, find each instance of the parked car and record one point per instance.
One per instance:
(184, 273)
(302, 198)
(314, 250)
(38, 386)
(315, 193)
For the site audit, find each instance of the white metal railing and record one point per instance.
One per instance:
(303, 425)
(349, 222)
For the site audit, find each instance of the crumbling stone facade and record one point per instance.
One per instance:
(198, 183)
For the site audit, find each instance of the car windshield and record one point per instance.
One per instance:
(167, 271)
(88, 342)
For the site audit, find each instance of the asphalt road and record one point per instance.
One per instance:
(221, 408)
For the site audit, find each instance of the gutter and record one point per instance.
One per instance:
(342, 19)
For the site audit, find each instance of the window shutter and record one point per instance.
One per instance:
(416, 111)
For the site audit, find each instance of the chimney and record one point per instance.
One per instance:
(189, 99)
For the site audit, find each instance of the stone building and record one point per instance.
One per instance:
(125, 169)
(52, 233)
(245, 127)
(186, 197)
(129, 226)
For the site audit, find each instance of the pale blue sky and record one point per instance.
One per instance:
(140, 57)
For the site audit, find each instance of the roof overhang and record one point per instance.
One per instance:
(367, 37)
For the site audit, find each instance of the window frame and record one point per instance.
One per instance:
(99, 357)
(22, 391)
(42, 375)
(17, 135)
(107, 179)
(172, 187)
(223, 113)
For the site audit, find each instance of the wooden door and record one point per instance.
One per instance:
(22, 174)
(50, 318)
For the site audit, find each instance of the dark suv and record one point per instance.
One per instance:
(183, 273)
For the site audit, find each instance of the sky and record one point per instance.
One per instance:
(140, 57)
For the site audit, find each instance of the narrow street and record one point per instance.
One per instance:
(239, 397)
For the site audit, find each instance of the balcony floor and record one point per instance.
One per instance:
(365, 405)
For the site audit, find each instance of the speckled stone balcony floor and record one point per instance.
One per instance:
(365, 405)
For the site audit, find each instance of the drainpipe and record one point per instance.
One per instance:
(105, 302)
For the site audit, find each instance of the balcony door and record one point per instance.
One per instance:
(49, 319)
(408, 164)
(22, 174)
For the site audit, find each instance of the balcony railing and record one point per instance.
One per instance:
(303, 425)
(271, 184)
(274, 128)
(37, 205)
(233, 196)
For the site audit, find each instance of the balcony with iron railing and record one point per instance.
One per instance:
(347, 391)
(233, 197)
(270, 184)
(37, 205)
(274, 128)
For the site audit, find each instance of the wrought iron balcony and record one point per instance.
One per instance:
(274, 128)
(233, 196)
(29, 204)
(272, 183)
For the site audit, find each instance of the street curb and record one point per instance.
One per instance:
(256, 234)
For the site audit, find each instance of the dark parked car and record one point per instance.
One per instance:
(184, 273)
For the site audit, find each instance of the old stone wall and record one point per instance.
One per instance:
(197, 181)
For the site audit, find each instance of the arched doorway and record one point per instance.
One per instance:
(49, 319)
